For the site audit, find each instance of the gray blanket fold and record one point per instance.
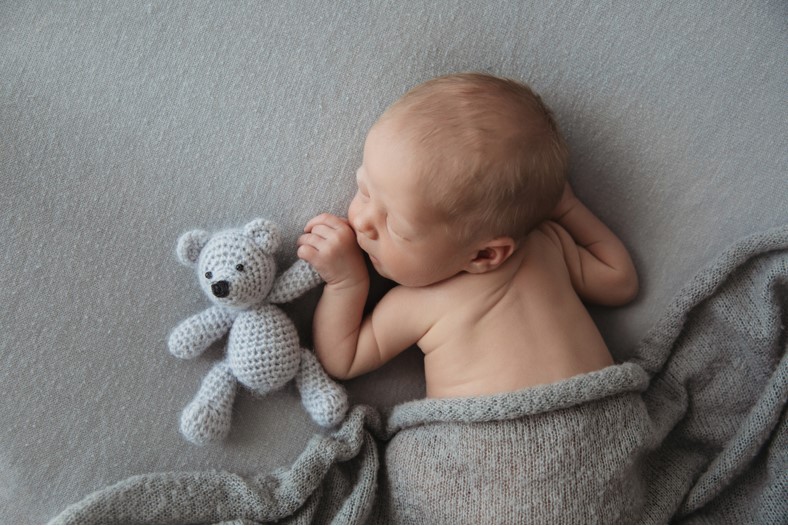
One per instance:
(691, 429)
(561, 453)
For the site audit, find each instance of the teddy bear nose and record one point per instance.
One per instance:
(220, 289)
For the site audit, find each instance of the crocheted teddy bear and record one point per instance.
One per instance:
(237, 271)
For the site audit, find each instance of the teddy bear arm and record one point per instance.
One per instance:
(196, 333)
(294, 282)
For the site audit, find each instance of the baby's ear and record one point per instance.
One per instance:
(190, 245)
(491, 255)
(265, 234)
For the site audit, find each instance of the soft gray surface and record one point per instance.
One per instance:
(123, 124)
(690, 431)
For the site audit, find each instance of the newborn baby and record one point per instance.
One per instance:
(462, 201)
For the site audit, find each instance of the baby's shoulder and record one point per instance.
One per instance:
(416, 300)
(547, 233)
(432, 300)
(543, 257)
(544, 244)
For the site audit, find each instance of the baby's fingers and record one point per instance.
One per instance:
(311, 240)
(307, 252)
(330, 233)
(310, 247)
(329, 220)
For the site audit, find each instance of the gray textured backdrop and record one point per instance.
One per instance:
(124, 123)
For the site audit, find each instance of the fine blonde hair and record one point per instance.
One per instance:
(493, 160)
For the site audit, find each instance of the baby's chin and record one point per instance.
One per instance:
(375, 262)
(406, 281)
(381, 271)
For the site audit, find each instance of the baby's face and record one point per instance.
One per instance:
(392, 222)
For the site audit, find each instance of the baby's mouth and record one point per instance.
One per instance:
(361, 242)
(372, 258)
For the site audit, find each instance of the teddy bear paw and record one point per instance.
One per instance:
(204, 422)
(328, 406)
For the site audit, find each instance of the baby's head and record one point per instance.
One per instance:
(471, 159)
(491, 158)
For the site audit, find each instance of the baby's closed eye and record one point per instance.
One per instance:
(396, 230)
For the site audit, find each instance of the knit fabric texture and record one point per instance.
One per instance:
(564, 453)
(692, 430)
(237, 271)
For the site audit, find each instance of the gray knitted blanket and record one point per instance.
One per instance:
(691, 430)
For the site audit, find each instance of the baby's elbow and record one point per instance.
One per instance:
(627, 288)
(613, 290)
(340, 375)
(336, 370)
(331, 365)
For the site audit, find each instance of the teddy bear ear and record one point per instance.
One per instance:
(190, 245)
(265, 234)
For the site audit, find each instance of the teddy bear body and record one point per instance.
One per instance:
(252, 349)
(237, 271)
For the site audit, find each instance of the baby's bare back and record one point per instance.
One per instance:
(518, 326)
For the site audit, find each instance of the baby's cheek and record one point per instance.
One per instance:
(352, 209)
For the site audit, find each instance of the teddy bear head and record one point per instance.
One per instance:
(236, 268)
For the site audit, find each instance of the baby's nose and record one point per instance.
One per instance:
(362, 223)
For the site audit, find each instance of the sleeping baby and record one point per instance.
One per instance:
(463, 201)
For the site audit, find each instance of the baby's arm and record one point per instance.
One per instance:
(346, 343)
(599, 265)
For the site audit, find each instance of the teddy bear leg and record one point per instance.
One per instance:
(207, 417)
(324, 399)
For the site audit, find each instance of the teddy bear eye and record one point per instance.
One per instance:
(208, 275)
(239, 267)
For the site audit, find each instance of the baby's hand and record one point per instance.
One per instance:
(329, 245)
